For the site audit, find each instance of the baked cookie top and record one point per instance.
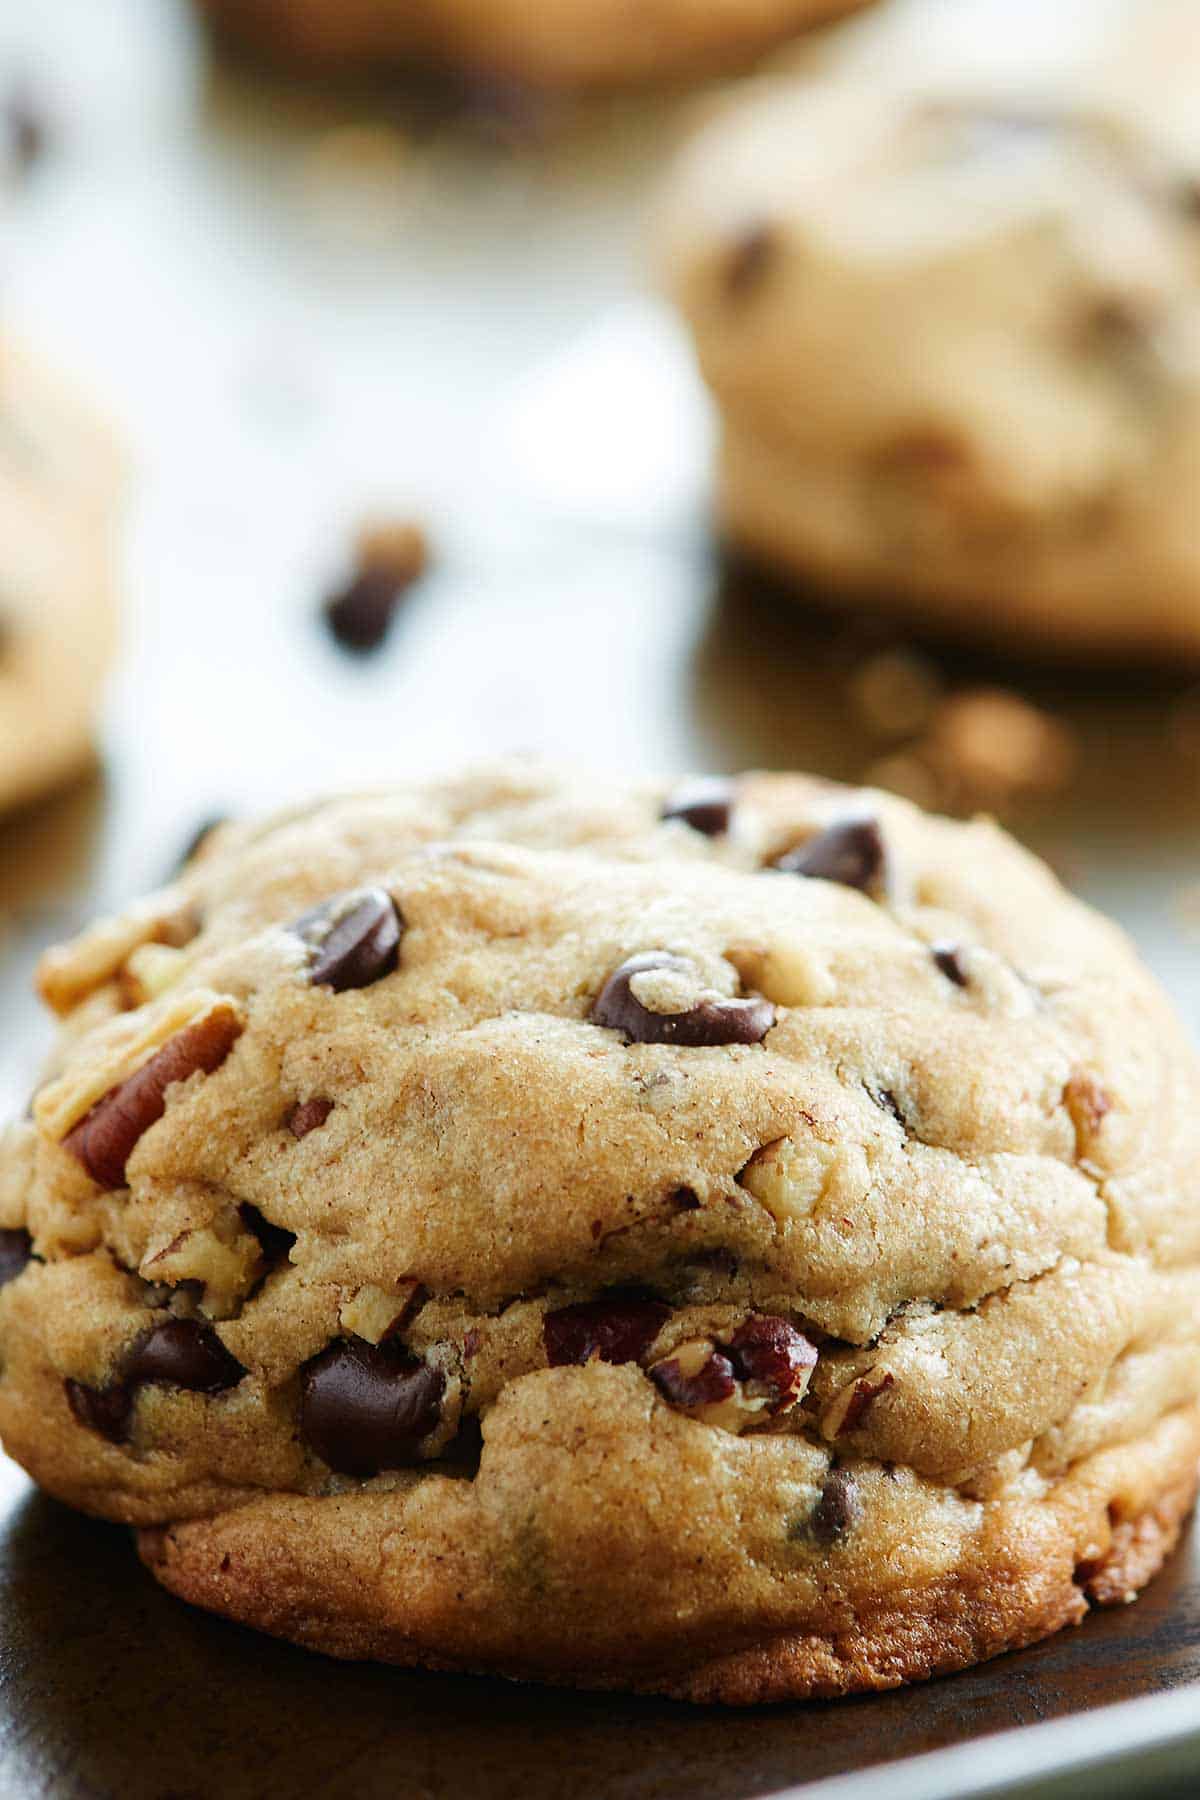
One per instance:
(953, 325)
(60, 480)
(836, 1119)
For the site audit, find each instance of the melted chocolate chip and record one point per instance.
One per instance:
(768, 1353)
(355, 939)
(749, 259)
(274, 1241)
(617, 1329)
(708, 1022)
(16, 1248)
(707, 806)
(180, 1353)
(105, 1410)
(838, 1509)
(308, 1115)
(186, 1354)
(712, 1382)
(360, 614)
(948, 958)
(367, 1407)
(104, 1140)
(851, 853)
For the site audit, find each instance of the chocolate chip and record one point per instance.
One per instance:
(16, 1248)
(948, 958)
(365, 1407)
(618, 1329)
(851, 853)
(104, 1140)
(105, 1410)
(274, 1241)
(355, 939)
(180, 1353)
(708, 1022)
(712, 1382)
(707, 806)
(749, 259)
(24, 127)
(183, 1353)
(769, 1354)
(360, 614)
(838, 1509)
(308, 1115)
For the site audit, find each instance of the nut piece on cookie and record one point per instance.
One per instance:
(527, 1229)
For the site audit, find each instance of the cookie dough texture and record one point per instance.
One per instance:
(953, 331)
(59, 494)
(557, 43)
(739, 1243)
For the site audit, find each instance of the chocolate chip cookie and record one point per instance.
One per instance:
(954, 335)
(739, 1239)
(59, 488)
(558, 43)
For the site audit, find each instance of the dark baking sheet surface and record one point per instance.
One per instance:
(294, 327)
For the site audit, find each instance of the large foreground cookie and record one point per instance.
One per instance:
(954, 335)
(59, 482)
(739, 1242)
(559, 43)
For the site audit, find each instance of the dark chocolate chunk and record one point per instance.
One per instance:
(712, 1382)
(948, 958)
(183, 1353)
(106, 1410)
(768, 1353)
(708, 1022)
(274, 1241)
(707, 806)
(617, 1329)
(16, 1248)
(838, 1509)
(355, 939)
(308, 1115)
(105, 1138)
(367, 1407)
(851, 853)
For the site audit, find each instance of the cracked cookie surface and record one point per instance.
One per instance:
(59, 501)
(1012, 272)
(557, 44)
(738, 1239)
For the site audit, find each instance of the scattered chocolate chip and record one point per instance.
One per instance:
(769, 1354)
(186, 1354)
(749, 259)
(948, 958)
(355, 939)
(707, 806)
(308, 1115)
(367, 1407)
(360, 614)
(618, 1329)
(708, 1022)
(274, 1241)
(16, 1248)
(193, 845)
(686, 1199)
(465, 1449)
(105, 1410)
(851, 853)
(104, 1139)
(838, 1509)
(712, 1382)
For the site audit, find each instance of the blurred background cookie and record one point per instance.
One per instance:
(571, 43)
(59, 487)
(952, 323)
